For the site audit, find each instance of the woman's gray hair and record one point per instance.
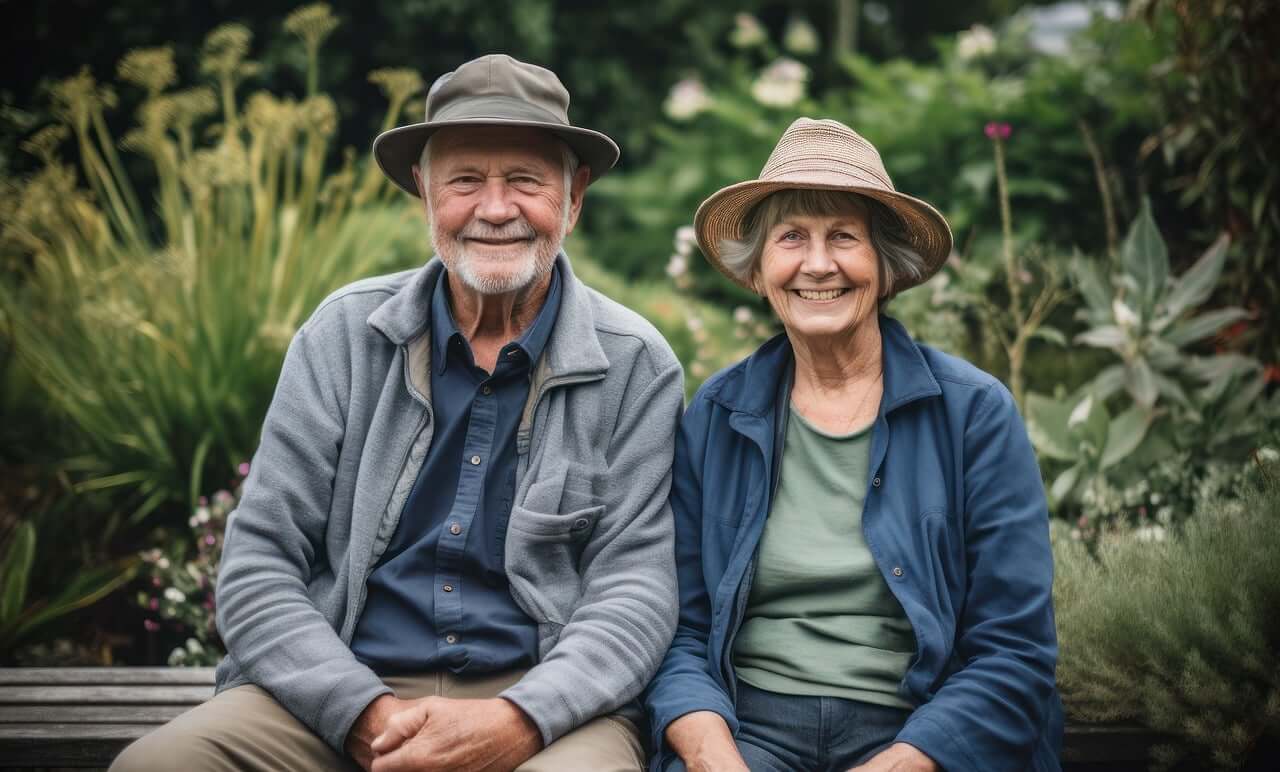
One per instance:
(900, 262)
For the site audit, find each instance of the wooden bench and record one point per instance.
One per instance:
(83, 717)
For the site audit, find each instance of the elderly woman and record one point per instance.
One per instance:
(861, 530)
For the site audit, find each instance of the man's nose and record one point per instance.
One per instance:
(496, 203)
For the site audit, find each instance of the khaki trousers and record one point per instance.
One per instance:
(246, 729)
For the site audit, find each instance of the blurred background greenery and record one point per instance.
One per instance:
(181, 184)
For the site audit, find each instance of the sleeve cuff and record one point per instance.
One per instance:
(344, 703)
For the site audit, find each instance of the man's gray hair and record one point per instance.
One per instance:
(568, 160)
(899, 261)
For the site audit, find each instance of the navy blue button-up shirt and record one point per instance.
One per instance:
(438, 597)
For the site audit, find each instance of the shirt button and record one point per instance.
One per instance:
(475, 461)
(451, 638)
(897, 571)
(455, 529)
(876, 482)
(486, 390)
(447, 588)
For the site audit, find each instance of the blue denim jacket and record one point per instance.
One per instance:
(955, 517)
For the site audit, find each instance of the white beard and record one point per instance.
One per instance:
(531, 259)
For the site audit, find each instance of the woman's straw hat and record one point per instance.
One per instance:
(821, 155)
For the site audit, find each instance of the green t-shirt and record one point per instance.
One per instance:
(821, 621)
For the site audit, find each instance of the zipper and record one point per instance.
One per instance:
(354, 611)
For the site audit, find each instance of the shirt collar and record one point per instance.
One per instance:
(444, 329)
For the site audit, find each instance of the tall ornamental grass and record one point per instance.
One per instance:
(1180, 633)
(155, 324)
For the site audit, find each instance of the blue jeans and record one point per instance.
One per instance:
(786, 733)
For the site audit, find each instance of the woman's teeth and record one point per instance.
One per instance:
(830, 294)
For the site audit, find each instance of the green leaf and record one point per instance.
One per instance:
(1108, 382)
(1047, 427)
(1106, 336)
(1050, 334)
(87, 588)
(1140, 382)
(1124, 435)
(1145, 257)
(1202, 326)
(15, 571)
(1064, 484)
(1093, 285)
(1196, 285)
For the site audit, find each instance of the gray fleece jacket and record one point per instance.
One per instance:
(589, 551)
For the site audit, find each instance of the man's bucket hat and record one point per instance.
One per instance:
(494, 90)
(821, 155)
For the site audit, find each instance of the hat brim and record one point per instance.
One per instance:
(398, 149)
(720, 217)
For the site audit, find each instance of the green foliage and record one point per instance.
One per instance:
(1169, 402)
(1179, 633)
(1222, 137)
(158, 341)
(21, 616)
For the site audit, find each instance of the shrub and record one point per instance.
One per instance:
(1179, 633)
(156, 337)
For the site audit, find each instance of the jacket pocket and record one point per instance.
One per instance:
(543, 557)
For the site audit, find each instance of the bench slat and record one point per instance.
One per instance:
(90, 714)
(35, 676)
(116, 695)
(66, 745)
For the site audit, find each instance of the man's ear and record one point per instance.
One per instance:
(577, 192)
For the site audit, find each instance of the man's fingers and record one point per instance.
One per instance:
(400, 727)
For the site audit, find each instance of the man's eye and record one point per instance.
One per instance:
(792, 236)
(525, 182)
(843, 236)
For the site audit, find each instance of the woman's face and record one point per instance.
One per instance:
(820, 273)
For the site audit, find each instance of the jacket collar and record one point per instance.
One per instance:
(572, 349)
(907, 376)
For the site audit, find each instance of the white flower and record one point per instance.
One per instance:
(677, 266)
(781, 84)
(975, 42)
(686, 239)
(742, 315)
(174, 595)
(800, 37)
(694, 323)
(202, 515)
(162, 563)
(1268, 454)
(687, 98)
(747, 31)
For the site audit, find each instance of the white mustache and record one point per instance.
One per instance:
(517, 230)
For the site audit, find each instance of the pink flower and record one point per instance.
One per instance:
(154, 604)
(155, 582)
(151, 625)
(996, 130)
(204, 501)
(209, 539)
(243, 469)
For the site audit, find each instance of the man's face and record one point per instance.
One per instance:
(497, 203)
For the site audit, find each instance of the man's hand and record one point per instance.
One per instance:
(899, 757)
(704, 743)
(371, 723)
(437, 733)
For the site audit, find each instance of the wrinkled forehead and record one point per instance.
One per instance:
(494, 146)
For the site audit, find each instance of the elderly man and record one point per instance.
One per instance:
(454, 549)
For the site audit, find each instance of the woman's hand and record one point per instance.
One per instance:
(704, 743)
(899, 757)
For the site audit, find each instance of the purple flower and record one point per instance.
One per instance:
(151, 625)
(154, 604)
(996, 130)
(209, 539)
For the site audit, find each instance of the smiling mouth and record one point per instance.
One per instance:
(830, 294)
(499, 242)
